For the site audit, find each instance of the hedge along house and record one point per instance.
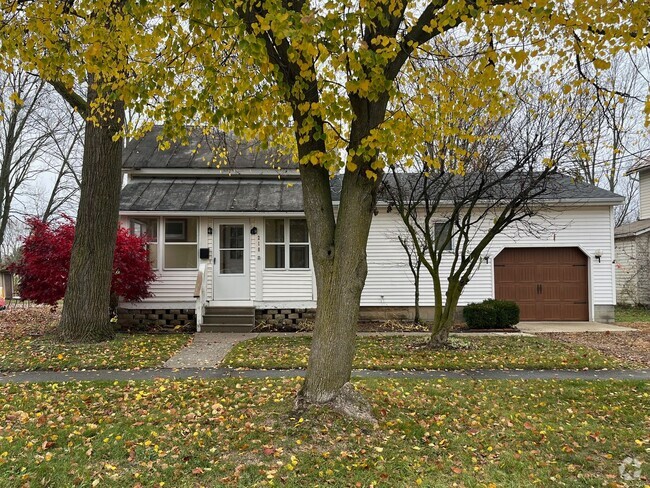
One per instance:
(229, 241)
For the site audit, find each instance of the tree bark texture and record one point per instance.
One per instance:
(85, 316)
(444, 316)
(340, 268)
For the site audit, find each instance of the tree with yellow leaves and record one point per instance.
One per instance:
(332, 80)
(338, 78)
(78, 46)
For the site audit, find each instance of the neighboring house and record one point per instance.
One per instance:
(235, 236)
(633, 248)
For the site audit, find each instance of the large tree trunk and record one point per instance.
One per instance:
(340, 268)
(85, 316)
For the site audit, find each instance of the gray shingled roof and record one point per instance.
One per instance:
(211, 195)
(632, 229)
(199, 152)
(230, 194)
(558, 187)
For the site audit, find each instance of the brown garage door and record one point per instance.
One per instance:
(547, 283)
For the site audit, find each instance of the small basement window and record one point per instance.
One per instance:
(286, 244)
(147, 227)
(181, 243)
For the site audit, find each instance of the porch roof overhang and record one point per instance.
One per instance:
(210, 195)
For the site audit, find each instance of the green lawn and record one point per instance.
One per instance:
(125, 352)
(632, 314)
(242, 433)
(400, 352)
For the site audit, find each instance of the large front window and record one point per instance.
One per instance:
(180, 243)
(286, 244)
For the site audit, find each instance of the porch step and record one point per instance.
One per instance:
(226, 328)
(228, 319)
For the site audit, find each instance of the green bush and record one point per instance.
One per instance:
(491, 314)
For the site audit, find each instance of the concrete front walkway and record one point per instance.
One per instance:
(542, 327)
(220, 373)
(206, 350)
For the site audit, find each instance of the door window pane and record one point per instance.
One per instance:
(274, 230)
(231, 261)
(298, 230)
(299, 256)
(232, 237)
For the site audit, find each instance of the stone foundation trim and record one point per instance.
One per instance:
(129, 318)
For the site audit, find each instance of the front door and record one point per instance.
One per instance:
(231, 267)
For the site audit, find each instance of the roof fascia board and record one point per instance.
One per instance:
(232, 214)
(560, 202)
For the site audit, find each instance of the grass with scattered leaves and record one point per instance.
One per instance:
(242, 433)
(126, 351)
(626, 314)
(403, 352)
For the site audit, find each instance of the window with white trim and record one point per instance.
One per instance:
(443, 236)
(181, 243)
(286, 244)
(147, 227)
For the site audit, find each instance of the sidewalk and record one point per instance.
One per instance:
(219, 373)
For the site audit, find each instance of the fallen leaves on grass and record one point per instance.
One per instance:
(633, 347)
(401, 352)
(124, 352)
(18, 321)
(435, 434)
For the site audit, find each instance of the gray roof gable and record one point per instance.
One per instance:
(217, 151)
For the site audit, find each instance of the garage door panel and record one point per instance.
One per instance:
(548, 274)
(552, 292)
(547, 283)
(524, 292)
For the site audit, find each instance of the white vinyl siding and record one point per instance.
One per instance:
(285, 286)
(173, 286)
(390, 283)
(626, 271)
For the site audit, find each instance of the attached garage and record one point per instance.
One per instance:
(547, 283)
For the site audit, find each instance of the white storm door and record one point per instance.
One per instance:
(231, 267)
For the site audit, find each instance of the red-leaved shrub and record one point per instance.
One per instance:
(45, 261)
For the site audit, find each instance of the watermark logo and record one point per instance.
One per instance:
(630, 469)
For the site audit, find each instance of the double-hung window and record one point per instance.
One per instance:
(181, 243)
(286, 244)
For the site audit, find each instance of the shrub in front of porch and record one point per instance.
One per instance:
(491, 314)
(45, 261)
